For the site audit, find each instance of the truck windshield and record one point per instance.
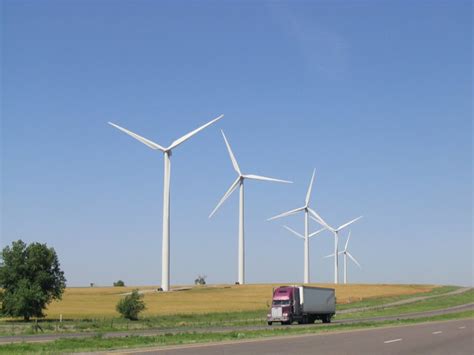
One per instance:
(281, 302)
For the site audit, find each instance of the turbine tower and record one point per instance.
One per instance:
(307, 211)
(336, 241)
(165, 247)
(302, 236)
(346, 254)
(239, 182)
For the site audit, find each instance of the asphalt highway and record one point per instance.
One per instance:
(434, 338)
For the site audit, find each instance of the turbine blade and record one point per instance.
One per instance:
(294, 232)
(317, 232)
(192, 133)
(308, 194)
(353, 259)
(264, 178)
(231, 154)
(347, 241)
(329, 256)
(145, 141)
(226, 195)
(348, 223)
(288, 213)
(316, 217)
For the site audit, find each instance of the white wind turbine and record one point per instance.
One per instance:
(307, 211)
(165, 248)
(346, 254)
(336, 241)
(239, 182)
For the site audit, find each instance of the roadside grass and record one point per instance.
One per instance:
(419, 306)
(101, 343)
(381, 300)
(119, 324)
(182, 321)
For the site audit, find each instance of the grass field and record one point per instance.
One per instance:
(80, 303)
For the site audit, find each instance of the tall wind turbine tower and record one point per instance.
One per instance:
(239, 182)
(307, 211)
(336, 242)
(165, 247)
(346, 254)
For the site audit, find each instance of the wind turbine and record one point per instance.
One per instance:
(302, 236)
(165, 247)
(307, 211)
(346, 254)
(336, 241)
(239, 182)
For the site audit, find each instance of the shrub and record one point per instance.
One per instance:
(131, 305)
(200, 280)
(119, 283)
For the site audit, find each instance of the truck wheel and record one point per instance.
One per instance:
(326, 319)
(269, 323)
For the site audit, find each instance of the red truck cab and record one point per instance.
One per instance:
(283, 304)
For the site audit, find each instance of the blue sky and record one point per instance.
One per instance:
(376, 95)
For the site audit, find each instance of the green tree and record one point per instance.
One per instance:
(119, 283)
(30, 278)
(131, 305)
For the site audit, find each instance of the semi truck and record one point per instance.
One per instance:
(302, 304)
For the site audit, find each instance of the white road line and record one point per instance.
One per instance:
(463, 327)
(438, 332)
(392, 341)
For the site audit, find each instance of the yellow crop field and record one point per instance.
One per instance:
(99, 302)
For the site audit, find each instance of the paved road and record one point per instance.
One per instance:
(151, 332)
(435, 338)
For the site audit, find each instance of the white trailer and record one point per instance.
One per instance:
(317, 300)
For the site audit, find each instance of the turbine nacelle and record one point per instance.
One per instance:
(332, 229)
(240, 176)
(346, 252)
(174, 144)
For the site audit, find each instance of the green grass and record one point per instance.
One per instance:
(379, 301)
(119, 324)
(99, 343)
(419, 306)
